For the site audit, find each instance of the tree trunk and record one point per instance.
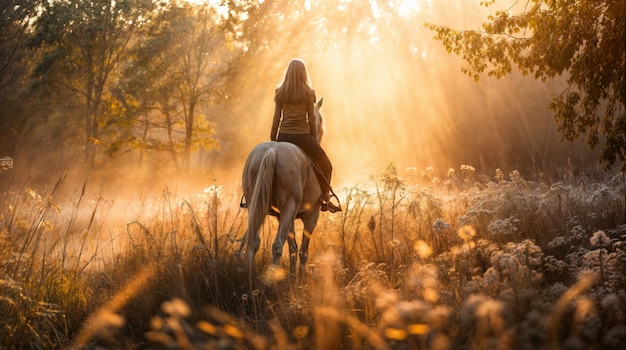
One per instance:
(188, 136)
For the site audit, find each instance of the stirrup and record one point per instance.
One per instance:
(329, 206)
(332, 207)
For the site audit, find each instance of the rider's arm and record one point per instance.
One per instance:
(276, 122)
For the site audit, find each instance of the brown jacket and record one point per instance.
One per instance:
(294, 118)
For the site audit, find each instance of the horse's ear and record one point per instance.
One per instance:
(320, 102)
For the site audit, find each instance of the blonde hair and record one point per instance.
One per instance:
(296, 87)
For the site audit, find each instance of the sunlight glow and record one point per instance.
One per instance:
(392, 94)
(406, 7)
(375, 9)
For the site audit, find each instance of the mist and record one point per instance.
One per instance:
(392, 95)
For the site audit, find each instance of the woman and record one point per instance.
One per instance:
(294, 116)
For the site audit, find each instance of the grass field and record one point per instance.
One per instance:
(413, 262)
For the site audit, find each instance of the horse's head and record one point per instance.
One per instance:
(319, 118)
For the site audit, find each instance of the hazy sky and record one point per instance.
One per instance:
(392, 94)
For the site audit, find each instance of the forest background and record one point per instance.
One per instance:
(136, 88)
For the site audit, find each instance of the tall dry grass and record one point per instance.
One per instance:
(417, 261)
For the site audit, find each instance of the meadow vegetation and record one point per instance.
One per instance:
(417, 260)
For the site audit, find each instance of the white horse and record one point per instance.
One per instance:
(280, 180)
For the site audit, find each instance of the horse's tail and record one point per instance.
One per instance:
(259, 204)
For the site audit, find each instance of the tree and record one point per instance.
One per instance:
(583, 40)
(177, 69)
(14, 69)
(83, 43)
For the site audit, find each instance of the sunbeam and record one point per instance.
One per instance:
(394, 95)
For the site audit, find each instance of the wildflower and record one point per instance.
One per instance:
(467, 232)
(424, 278)
(451, 174)
(422, 249)
(439, 225)
(438, 316)
(300, 332)
(490, 318)
(418, 329)
(468, 172)
(395, 334)
(467, 169)
(213, 189)
(515, 176)
(491, 277)
(507, 264)
(553, 264)
(233, 331)
(386, 299)
(557, 242)
(207, 328)
(599, 239)
(577, 232)
(111, 319)
(274, 274)
(431, 295)
(176, 308)
(499, 175)
(503, 227)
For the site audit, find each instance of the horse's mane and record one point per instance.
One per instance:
(320, 119)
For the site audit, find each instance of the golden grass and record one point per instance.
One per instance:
(420, 262)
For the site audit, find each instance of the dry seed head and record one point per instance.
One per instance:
(422, 249)
(274, 274)
(430, 295)
(418, 329)
(176, 308)
(300, 332)
(111, 319)
(213, 189)
(386, 299)
(600, 239)
(467, 232)
(233, 331)
(395, 243)
(207, 328)
(395, 334)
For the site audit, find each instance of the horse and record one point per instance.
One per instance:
(280, 180)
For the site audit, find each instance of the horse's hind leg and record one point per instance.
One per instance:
(310, 221)
(293, 251)
(285, 227)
